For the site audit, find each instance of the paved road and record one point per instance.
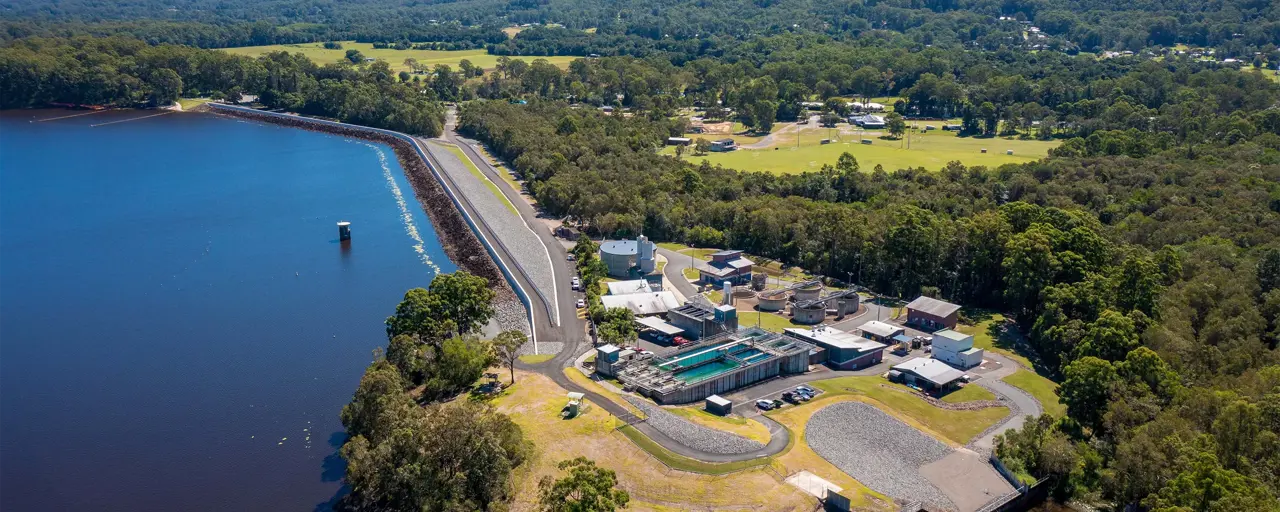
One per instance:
(674, 271)
(1020, 403)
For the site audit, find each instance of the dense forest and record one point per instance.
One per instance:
(128, 72)
(1237, 27)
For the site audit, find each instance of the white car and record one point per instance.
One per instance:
(581, 304)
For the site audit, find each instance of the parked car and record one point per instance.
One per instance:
(764, 405)
(806, 389)
(790, 397)
(571, 257)
(777, 403)
(679, 340)
(577, 283)
(581, 303)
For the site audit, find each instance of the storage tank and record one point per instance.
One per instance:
(772, 301)
(809, 292)
(809, 313)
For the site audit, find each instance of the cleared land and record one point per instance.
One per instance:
(535, 359)
(930, 150)
(958, 427)
(320, 55)
(984, 337)
(767, 321)
(534, 403)
(800, 457)
(1043, 389)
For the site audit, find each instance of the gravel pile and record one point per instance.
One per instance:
(877, 450)
(692, 435)
(524, 246)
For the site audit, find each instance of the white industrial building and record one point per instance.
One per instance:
(627, 287)
(642, 304)
(880, 331)
(956, 349)
(927, 374)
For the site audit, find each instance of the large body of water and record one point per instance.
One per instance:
(179, 327)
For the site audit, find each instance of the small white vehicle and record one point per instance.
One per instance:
(581, 304)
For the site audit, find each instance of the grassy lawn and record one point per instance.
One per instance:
(475, 171)
(931, 150)
(536, 358)
(768, 321)
(190, 103)
(1269, 73)
(690, 273)
(1043, 389)
(984, 339)
(749, 429)
(970, 393)
(534, 403)
(953, 427)
(318, 54)
(502, 169)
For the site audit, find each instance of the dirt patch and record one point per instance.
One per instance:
(716, 128)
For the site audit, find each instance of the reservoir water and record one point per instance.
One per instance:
(179, 326)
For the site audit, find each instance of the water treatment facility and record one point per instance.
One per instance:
(717, 364)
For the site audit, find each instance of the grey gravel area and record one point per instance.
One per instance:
(692, 435)
(877, 450)
(527, 249)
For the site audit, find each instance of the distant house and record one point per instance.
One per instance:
(723, 145)
(952, 127)
(868, 121)
(932, 314)
(729, 266)
(880, 331)
(678, 141)
(843, 351)
(956, 348)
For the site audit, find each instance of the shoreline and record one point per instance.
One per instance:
(460, 244)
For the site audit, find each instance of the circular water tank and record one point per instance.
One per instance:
(774, 301)
(808, 292)
(810, 315)
(619, 256)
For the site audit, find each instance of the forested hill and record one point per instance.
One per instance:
(1238, 27)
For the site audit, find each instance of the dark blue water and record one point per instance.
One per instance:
(174, 304)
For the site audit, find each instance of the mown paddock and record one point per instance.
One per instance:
(931, 150)
(320, 55)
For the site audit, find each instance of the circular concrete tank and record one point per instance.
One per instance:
(772, 301)
(808, 293)
(814, 314)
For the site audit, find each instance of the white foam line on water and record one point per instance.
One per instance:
(406, 216)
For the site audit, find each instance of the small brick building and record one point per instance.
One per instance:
(930, 314)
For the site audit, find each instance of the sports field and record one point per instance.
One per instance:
(318, 54)
(931, 150)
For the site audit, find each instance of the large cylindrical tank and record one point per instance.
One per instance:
(811, 292)
(772, 301)
(814, 314)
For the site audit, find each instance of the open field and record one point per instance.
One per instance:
(930, 150)
(1043, 389)
(970, 393)
(190, 103)
(318, 54)
(1269, 73)
(952, 427)
(536, 358)
(534, 403)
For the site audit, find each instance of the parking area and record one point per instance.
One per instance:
(967, 479)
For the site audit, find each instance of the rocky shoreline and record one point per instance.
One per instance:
(460, 244)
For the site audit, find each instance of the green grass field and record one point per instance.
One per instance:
(983, 339)
(1043, 389)
(318, 54)
(536, 358)
(957, 426)
(970, 393)
(768, 321)
(930, 150)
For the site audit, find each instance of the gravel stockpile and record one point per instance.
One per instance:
(694, 436)
(877, 450)
(527, 249)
